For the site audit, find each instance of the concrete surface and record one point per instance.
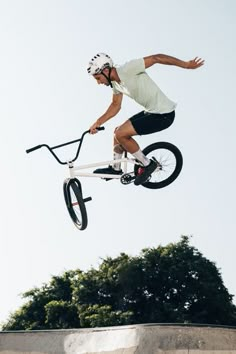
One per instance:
(136, 339)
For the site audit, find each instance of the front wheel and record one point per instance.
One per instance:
(170, 162)
(75, 203)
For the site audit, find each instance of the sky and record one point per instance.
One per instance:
(47, 97)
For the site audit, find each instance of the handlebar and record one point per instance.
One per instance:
(33, 148)
(80, 141)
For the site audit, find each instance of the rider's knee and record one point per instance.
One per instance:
(120, 134)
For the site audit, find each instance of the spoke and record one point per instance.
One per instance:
(167, 161)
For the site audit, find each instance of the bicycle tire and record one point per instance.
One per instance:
(161, 151)
(75, 203)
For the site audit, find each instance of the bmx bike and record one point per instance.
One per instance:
(169, 164)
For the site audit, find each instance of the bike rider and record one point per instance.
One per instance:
(131, 79)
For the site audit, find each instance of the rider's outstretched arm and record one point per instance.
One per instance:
(112, 110)
(168, 60)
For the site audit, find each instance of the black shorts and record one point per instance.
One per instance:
(148, 123)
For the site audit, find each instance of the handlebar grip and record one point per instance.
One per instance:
(33, 148)
(100, 128)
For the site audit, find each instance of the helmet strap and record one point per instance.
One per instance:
(108, 77)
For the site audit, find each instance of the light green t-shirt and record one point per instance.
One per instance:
(136, 84)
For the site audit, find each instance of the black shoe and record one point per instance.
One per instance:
(145, 172)
(108, 170)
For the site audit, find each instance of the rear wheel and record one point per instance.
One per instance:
(170, 162)
(75, 203)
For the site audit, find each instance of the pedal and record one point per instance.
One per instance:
(87, 199)
(127, 178)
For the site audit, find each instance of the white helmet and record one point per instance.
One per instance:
(99, 62)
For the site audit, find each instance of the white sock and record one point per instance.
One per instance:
(139, 155)
(116, 156)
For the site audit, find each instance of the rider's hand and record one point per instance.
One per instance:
(93, 128)
(195, 63)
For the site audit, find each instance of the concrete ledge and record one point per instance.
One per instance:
(136, 339)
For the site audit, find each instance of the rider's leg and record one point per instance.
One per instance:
(118, 151)
(124, 136)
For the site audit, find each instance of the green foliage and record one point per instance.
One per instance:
(167, 284)
(61, 314)
(100, 316)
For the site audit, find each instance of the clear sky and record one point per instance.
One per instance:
(46, 96)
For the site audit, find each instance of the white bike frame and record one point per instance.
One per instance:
(76, 170)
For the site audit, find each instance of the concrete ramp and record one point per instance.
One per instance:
(136, 339)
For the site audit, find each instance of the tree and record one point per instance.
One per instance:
(175, 283)
(49, 307)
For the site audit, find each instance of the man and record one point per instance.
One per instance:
(131, 79)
